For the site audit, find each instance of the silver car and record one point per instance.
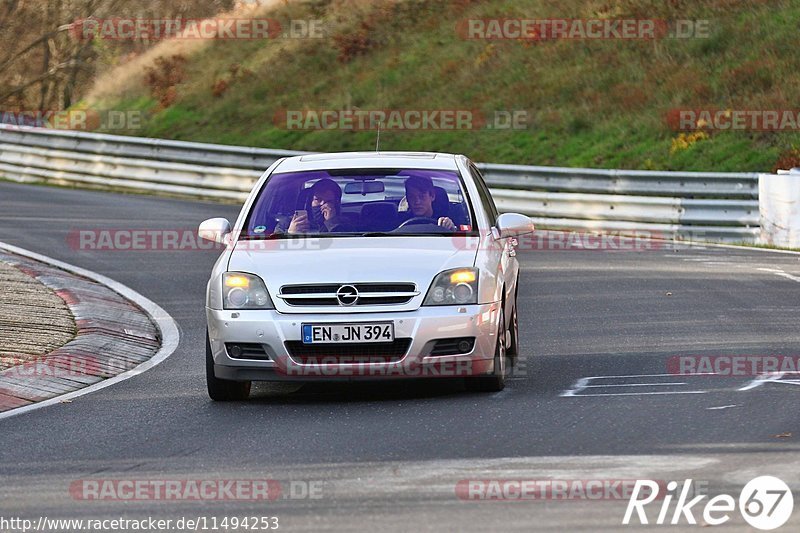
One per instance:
(369, 265)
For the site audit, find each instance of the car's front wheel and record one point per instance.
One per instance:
(497, 380)
(512, 349)
(223, 390)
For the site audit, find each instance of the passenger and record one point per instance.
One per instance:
(326, 205)
(420, 195)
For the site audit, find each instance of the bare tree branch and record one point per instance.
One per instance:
(53, 71)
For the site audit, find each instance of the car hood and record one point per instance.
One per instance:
(351, 260)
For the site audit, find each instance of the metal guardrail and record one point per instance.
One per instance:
(710, 205)
(738, 185)
(212, 155)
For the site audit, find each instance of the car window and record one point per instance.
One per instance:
(485, 196)
(357, 202)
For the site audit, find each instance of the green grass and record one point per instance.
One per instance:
(590, 103)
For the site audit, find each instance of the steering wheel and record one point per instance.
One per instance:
(416, 221)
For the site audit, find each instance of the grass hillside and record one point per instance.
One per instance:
(595, 103)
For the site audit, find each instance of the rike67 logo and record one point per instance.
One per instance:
(765, 503)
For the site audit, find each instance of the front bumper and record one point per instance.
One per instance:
(423, 326)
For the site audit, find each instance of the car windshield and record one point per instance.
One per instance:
(359, 202)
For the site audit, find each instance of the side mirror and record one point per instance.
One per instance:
(214, 229)
(513, 225)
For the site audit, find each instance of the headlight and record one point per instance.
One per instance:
(454, 287)
(244, 291)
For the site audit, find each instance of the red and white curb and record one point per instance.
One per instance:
(118, 337)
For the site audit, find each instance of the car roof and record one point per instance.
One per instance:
(326, 161)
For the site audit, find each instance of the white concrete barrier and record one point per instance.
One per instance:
(779, 208)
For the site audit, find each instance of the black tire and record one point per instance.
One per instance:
(223, 390)
(513, 345)
(497, 380)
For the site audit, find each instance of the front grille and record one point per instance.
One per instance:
(453, 346)
(369, 294)
(379, 352)
(246, 350)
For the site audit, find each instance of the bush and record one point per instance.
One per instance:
(163, 77)
(788, 159)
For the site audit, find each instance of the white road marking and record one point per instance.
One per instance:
(772, 377)
(583, 386)
(720, 407)
(781, 273)
(760, 380)
(165, 323)
(709, 261)
(636, 385)
(577, 387)
(586, 383)
(787, 276)
(643, 393)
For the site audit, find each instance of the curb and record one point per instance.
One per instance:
(118, 337)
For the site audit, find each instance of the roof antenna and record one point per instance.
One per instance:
(378, 140)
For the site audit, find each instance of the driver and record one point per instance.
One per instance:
(420, 195)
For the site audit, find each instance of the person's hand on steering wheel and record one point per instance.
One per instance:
(442, 222)
(446, 223)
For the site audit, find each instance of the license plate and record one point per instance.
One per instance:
(346, 333)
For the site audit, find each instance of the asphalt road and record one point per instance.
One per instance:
(389, 456)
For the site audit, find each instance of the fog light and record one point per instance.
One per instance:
(235, 351)
(464, 346)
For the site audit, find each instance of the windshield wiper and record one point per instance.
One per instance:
(264, 237)
(379, 234)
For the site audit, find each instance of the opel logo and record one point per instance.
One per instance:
(347, 295)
